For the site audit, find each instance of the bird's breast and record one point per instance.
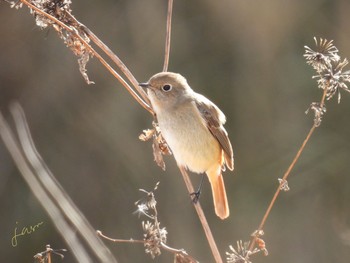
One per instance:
(189, 139)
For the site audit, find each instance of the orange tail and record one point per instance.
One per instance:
(219, 194)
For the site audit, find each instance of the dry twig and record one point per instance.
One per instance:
(77, 37)
(65, 216)
(154, 236)
(168, 36)
(331, 78)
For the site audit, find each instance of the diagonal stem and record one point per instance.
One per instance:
(142, 101)
(113, 57)
(202, 218)
(284, 178)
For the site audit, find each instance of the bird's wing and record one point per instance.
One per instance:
(214, 119)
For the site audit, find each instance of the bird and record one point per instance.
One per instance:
(193, 128)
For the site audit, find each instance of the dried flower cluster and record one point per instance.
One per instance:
(319, 110)
(283, 184)
(240, 254)
(331, 76)
(57, 14)
(56, 8)
(246, 249)
(154, 236)
(45, 256)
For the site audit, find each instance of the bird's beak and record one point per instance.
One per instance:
(144, 85)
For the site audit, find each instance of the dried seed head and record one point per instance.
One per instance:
(45, 256)
(57, 14)
(329, 67)
(318, 111)
(283, 184)
(154, 236)
(56, 8)
(240, 254)
(322, 56)
(147, 205)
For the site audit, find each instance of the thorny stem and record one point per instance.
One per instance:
(99, 57)
(284, 178)
(202, 218)
(168, 36)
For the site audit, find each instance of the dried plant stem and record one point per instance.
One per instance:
(117, 240)
(202, 218)
(163, 246)
(77, 30)
(74, 31)
(39, 192)
(168, 36)
(60, 209)
(113, 57)
(284, 178)
(70, 211)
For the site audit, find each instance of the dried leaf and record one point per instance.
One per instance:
(157, 154)
(83, 60)
(146, 134)
(163, 146)
(181, 258)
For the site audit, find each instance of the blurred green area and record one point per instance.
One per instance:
(244, 55)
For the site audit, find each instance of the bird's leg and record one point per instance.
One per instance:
(197, 193)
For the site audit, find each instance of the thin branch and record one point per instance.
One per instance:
(202, 218)
(284, 179)
(168, 36)
(74, 31)
(113, 57)
(163, 246)
(117, 240)
(77, 29)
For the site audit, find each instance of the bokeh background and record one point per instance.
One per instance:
(247, 57)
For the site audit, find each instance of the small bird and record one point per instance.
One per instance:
(192, 126)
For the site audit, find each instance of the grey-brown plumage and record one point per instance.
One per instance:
(193, 128)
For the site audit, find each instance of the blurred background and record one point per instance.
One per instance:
(246, 56)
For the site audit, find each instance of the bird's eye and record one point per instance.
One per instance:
(167, 87)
